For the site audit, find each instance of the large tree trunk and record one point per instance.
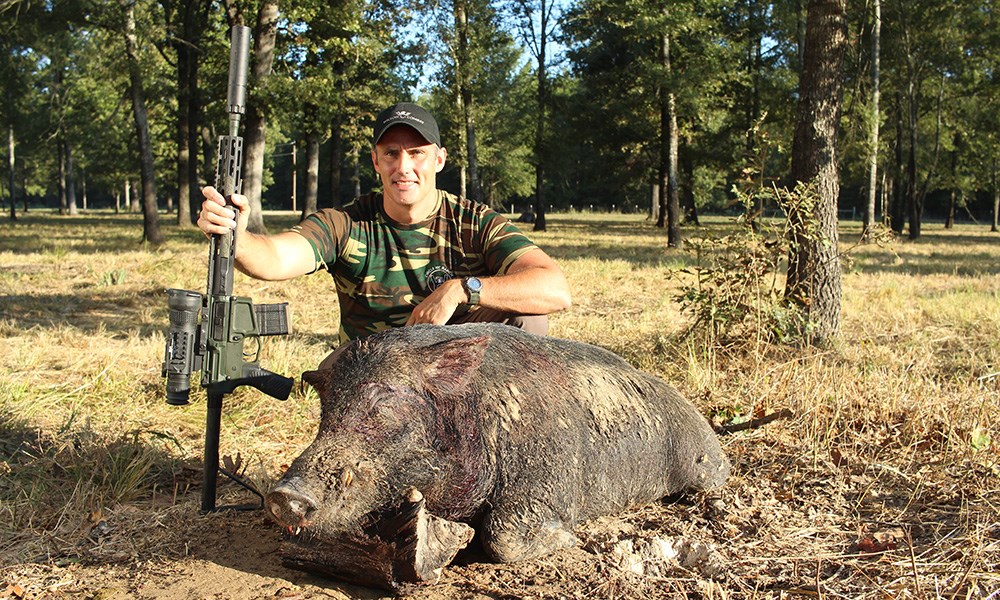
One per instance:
(256, 115)
(813, 263)
(151, 223)
(869, 216)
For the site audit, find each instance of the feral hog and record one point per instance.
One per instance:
(430, 431)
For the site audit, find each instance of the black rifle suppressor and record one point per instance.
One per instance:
(208, 331)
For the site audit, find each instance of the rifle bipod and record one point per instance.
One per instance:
(213, 426)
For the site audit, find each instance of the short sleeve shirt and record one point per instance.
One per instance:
(382, 269)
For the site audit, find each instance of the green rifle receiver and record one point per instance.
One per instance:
(208, 332)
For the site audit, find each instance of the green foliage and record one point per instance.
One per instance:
(736, 292)
(113, 277)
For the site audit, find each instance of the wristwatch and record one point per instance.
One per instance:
(472, 286)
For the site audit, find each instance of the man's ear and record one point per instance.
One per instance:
(442, 155)
(375, 160)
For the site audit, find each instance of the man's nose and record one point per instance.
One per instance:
(405, 162)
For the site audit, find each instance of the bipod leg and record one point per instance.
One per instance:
(213, 426)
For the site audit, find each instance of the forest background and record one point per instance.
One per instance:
(549, 105)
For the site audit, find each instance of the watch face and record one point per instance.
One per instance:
(473, 284)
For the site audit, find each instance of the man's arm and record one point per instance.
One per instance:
(273, 258)
(533, 285)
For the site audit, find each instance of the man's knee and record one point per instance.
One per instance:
(536, 324)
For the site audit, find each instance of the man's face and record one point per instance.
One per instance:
(408, 165)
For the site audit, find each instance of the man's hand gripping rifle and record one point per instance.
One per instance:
(208, 331)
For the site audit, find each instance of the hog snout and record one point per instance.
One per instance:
(289, 505)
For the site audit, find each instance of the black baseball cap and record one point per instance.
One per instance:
(410, 114)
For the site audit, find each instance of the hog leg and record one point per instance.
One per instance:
(516, 531)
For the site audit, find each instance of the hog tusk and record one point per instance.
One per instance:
(348, 477)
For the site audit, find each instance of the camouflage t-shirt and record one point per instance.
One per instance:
(382, 269)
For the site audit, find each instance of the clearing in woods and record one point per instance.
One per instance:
(879, 479)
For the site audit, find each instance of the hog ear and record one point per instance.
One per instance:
(449, 366)
(320, 380)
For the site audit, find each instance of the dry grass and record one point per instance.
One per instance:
(884, 482)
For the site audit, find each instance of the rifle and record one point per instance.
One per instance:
(208, 331)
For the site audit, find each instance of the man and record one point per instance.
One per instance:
(410, 254)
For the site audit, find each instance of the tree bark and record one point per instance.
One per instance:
(996, 198)
(669, 194)
(61, 184)
(151, 223)
(312, 174)
(543, 101)
(70, 179)
(814, 278)
(466, 100)
(336, 160)
(10, 164)
(256, 116)
(898, 203)
(185, 63)
(869, 216)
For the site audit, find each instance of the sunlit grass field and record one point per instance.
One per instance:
(902, 409)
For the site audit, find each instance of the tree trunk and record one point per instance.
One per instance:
(10, 164)
(312, 174)
(194, 19)
(912, 199)
(70, 180)
(688, 205)
(183, 132)
(462, 68)
(356, 170)
(670, 196)
(543, 101)
(151, 223)
(61, 183)
(336, 160)
(869, 216)
(996, 198)
(949, 221)
(256, 114)
(813, 263)
(898, 204)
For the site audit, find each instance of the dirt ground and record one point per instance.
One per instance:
(788, 524)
